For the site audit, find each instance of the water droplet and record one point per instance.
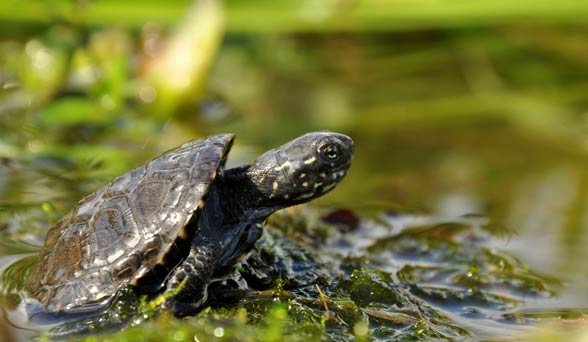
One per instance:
(147, 93)
(360, 329)
(219, 332)
(42, 58)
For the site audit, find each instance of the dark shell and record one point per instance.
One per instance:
(118, 234)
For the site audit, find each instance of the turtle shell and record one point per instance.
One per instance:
(115, 236)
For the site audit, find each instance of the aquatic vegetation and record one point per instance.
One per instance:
(456, 108)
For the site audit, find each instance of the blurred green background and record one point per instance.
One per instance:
(456, 107)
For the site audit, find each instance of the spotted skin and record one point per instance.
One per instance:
(307, 167)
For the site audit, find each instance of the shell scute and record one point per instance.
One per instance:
(152, 249)
(160, 191)
(114, 230)
(127, 268)
(67, 251)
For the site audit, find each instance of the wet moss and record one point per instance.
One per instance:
(366, 286)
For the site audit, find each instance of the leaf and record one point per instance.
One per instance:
(74, 111)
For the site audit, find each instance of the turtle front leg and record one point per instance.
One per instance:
(187, 284)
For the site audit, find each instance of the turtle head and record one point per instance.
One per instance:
(301, 170)
(297, 172)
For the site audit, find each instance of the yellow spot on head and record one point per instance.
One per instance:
(302, 175)
(286, 164)
(309, 160)
(201, 203)
(305, 184)
(329, 187)
(275, 186)
(304, 196)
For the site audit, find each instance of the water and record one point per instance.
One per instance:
(463, 216)
(490, 275)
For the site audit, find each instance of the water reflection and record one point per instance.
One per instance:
(448, 122)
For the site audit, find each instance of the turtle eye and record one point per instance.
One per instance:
(329, 152)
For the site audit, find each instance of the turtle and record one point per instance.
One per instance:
(175, 224)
